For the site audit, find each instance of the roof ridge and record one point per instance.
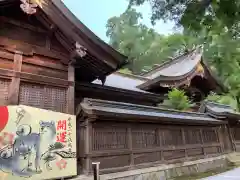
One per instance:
(172, 60)
(90, 101)
(131, 76)
(209, 102)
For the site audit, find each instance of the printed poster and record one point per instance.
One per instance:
(36, 144)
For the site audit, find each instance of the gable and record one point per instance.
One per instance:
(58, 32)
(18, 26)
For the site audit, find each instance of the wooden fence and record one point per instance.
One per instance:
(235, 137)
(125, 145)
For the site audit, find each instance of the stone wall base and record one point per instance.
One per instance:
(166, 171)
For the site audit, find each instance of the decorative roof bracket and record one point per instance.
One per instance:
(81, 51)
(78, 52)
(28, 7)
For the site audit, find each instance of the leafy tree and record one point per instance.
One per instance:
(194, 13)
(177, 100)
(143, 46)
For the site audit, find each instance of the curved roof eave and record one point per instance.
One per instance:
(166, 80)
(75, 29)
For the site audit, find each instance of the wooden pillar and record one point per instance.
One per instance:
(15, 83)
(160, 142)
(184, 143)
(71, 90)
(129, 144)
(202, 141)
(88, 144)
(221, 138)
(231, 137)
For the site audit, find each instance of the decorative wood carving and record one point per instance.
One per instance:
(82, 51)
(28, 7)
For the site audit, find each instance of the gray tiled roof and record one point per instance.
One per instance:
(179, 66)
(117, 108)
(218, 110)
(127, 82)
(175, 72)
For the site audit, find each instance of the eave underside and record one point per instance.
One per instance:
(94, 65)
(97, 91)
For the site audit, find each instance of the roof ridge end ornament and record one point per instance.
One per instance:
(28, 7)
(199, 48)
(80, 49)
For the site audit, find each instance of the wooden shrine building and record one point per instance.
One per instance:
(44, 55)
(188, 71)
(50, 60)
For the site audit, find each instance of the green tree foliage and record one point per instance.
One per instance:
(143, 46)
(177, 100)
(222, 51)
(194, 13)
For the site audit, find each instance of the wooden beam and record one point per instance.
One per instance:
(44, 62)
(15, 83)
(22, 24)
(29, 49)
(149, 150)
(53, 29)
(71, 90)
(6, 73)
(6, 55)
(45, 80)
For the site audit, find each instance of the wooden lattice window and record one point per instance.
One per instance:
(31, 95)
(109, 137)
(45, 97)
(209, 135)
(236, 133)
(55, 99)
(192, 136)
(144, 137)
(4, 89)
(172, 137)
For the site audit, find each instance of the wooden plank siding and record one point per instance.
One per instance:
(128, 145)
(34, 69)
(235, 137)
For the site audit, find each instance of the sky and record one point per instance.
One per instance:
(95, 13)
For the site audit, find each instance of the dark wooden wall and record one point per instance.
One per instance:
(235, 137)
(122, 146)
(33, 68)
